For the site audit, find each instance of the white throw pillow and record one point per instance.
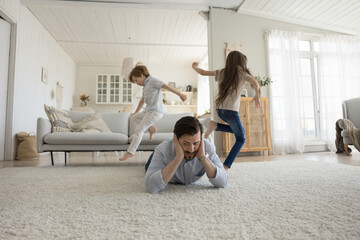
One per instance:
(59, 119)
(91, 124)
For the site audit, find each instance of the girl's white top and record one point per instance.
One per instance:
(232, 102)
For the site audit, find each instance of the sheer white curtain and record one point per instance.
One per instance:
(203, 96)
(339, 79)
(285, 92)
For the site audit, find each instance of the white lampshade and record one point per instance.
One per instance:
(128, 65)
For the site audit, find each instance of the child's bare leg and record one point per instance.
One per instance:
(210, 128)
(127, 155)
(152, 130)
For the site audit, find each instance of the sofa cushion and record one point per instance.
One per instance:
(59, 119)
(117, 122)
(91, 124)
(159, 138)
(77, 116)
(76, 138)
(164, 125)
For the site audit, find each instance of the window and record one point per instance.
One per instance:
(312, 74)
(309, 89)
(111, 89)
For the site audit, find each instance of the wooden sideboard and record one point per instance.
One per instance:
(257, 128)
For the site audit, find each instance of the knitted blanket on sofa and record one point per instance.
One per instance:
(352, 132)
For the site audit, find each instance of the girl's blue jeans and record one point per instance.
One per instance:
(232, 118)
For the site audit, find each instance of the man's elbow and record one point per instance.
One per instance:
(152, 188)
(153, 181)
(223, 185)
(152, 191)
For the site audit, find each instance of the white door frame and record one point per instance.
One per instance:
(9, 139)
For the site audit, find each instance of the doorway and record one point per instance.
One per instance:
(5, 29)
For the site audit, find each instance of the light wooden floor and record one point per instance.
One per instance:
(140, 158)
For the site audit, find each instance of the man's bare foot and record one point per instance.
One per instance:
(210, 128)
(152, 130)
(127, 155)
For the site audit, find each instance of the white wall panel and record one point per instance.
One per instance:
(4, 78)
(36, 49)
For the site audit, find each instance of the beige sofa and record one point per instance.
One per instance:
(122, 128)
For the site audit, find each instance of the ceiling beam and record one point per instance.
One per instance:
(238, 8)
(111, 4)
(131, 44)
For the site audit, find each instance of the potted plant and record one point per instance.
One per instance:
(84, 99)
(263, 81)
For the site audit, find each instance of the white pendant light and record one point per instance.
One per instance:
(128, 65)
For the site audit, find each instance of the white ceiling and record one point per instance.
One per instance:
(161, 32)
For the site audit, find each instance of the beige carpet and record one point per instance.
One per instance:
(265, 200)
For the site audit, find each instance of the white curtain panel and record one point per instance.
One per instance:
(285, 91)
(203, 96)
(339, 79)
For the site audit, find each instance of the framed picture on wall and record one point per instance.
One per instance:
(44, 75)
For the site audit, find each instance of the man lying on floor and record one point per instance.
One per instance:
(184, 159)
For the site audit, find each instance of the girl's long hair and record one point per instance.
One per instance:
(235, 62)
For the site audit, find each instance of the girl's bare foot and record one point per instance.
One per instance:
(126, 156)
(152, 130)
(210, 128)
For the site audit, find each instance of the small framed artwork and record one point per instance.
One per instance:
(44, 75)
(172, 84)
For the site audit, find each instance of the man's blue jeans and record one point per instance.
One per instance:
(232, 118)
(148, 162)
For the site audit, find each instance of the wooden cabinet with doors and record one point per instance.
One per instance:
(257, 128)
(112, 89)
